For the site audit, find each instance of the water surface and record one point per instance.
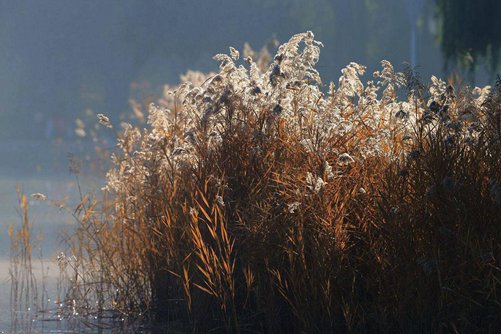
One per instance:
(40, 167)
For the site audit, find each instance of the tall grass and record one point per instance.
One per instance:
(256, 200)
(24, 294)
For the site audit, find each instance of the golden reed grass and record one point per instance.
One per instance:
(256, 201)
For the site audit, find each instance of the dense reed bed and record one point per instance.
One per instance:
(258, 199)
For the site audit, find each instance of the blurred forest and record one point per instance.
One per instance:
(60, 58)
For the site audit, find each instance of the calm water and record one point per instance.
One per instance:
(40, 167)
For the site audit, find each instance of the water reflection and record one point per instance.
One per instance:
(39, 167)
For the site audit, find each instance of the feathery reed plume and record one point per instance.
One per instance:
(255, 201)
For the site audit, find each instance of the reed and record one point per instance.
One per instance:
(256, 200)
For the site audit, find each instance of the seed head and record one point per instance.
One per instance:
(39, 197)
(104, 120)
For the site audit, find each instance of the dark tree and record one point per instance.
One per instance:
(470, 32)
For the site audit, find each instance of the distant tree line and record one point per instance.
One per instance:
(470, 32)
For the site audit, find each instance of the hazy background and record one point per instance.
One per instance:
(58, 58)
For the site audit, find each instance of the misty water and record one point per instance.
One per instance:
(39, 167)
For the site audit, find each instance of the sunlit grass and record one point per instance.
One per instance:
(259, 200)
